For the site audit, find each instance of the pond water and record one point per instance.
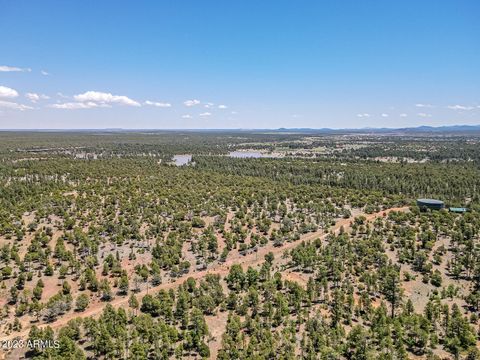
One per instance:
(181, 160)
(246, 154)
(186, 159)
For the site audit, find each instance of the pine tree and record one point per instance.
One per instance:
(391, 287)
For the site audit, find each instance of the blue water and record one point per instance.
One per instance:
(181, 160)
(246, 154)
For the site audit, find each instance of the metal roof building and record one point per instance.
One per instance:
(458, 210)
(431, 204)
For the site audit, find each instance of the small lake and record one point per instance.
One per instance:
(180, 160)
(246, 154)
(252, 154)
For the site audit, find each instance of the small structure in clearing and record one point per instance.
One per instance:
(431, 204)
(458, 210)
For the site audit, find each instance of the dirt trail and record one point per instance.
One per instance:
(223, 269)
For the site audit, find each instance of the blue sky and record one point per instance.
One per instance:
(239, 64)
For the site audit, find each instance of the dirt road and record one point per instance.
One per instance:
(223, 269)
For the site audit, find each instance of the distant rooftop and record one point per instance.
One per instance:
(430, 201)
(458, 209)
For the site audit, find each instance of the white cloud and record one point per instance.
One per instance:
(403, 115)
(424, 115)
(363, 115)
(33, 97)
(208, 105)
(222, 107)
(234, 112)
(186, 116)
(4, 68)
(6, 92)
(424, 105)
(77, 105)
(191, 103)
(105, 98)
(44, 73)
(205, 114)
(460, 107)
(14, 106)
(158, 104)
(384, 115)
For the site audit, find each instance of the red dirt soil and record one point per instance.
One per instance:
(249, 260)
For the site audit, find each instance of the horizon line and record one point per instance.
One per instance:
(244, 129)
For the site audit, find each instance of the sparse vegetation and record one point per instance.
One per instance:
(320, 252)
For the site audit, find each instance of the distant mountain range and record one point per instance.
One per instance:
(457, 129)
(452, 128)
(434, 130)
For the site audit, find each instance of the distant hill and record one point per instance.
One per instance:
(451, 128)
(421, 130)
(448, 129)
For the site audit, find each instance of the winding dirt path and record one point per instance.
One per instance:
(221, 269)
